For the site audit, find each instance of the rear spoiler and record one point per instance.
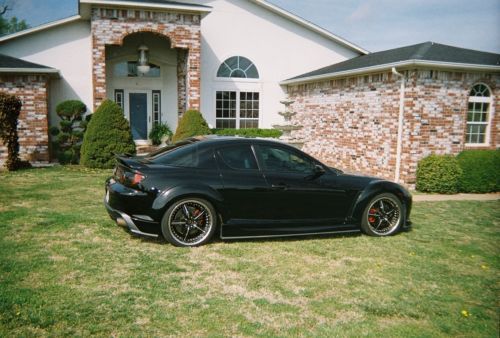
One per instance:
(128, 161)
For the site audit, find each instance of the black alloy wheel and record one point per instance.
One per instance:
(189, 222)
(383, 215)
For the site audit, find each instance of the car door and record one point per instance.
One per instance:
(298, 193)
(244, 186)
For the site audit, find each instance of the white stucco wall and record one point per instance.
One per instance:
(278, 47)
(67, 48)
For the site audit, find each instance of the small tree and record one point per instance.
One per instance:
(108, 133)
(10, 108)
(191, 124)
(69, 136)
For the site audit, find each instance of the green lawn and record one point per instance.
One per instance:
(67, 269)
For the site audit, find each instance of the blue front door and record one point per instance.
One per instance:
(139, 115)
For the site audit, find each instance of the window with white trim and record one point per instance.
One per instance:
(478, 115)
(237, 109)
(119, 97)
(156, 106)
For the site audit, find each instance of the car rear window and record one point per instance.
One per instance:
(186, 155)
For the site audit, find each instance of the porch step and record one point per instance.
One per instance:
(145, 149)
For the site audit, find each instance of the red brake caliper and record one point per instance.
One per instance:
(371, 217)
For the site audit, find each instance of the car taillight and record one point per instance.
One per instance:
(137, 179)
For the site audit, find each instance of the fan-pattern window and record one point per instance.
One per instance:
(238, 67)
(478, 114)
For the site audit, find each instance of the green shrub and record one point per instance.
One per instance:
(438, 173)
(158, 131)
(67, 139)
(108, 133)
(10, 108)
(480, 169)
(191, 124)
(250, 132)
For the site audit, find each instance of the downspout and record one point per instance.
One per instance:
(400, 124)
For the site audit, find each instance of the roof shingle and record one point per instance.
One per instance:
(427, 51)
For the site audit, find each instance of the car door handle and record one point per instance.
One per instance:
(280, 186)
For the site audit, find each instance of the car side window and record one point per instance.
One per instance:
(238, 157)
(281, 159)
(189, 156)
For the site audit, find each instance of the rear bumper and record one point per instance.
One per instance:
(131, 209)
(122, 218)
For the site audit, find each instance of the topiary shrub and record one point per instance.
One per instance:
(250, 132)
(438, 173)
(480, 170)
(108, 133)
(10, 108)
(158, 132)
(67, 139)
(191, 124)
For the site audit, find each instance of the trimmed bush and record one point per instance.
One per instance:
(439, 173)
(10, 108)
(480, 171)
(108, 133)
(67, 139)
(250, 132)
(191, 124)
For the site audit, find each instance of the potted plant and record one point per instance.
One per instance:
(160, 134)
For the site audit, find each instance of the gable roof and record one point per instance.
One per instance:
(423, 54)
(309, 25)
(40, 28)
(9, 64)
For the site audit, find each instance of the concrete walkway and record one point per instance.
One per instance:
(456, 197)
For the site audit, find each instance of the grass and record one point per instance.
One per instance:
(67, 269)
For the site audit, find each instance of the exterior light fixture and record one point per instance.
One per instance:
(143, 60)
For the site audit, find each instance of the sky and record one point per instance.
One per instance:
(371, 24)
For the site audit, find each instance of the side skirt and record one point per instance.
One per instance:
(291, 235)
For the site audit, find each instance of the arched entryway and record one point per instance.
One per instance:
(170, 87)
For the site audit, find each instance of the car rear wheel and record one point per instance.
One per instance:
(189, 222)
(383, 215)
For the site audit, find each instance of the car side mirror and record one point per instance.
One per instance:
(317, 171)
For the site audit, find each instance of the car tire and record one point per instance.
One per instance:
(189, 222)
(383, 215)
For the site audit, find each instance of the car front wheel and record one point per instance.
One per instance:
(189, 222)
(383, 215)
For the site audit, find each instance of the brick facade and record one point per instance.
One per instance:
(352, 123)
(33, 120)
(111, 25)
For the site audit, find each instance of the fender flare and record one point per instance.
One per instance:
(373, 189)
(167, 197)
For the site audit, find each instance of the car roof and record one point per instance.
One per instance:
(218, 139)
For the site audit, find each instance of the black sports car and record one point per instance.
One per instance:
(244, 188)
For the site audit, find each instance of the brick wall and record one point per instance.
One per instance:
(111, 25)
(352, 123)
(33, 120)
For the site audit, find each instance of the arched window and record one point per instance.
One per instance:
(238, 67)
(478, 114)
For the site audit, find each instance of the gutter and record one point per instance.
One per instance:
(414, 62)
(140, 4)
(49, 71)
(400, 124)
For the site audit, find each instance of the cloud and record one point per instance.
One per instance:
(362, 12)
